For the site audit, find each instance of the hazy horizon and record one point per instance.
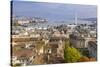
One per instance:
(53, 11)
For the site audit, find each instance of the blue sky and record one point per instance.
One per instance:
(53, 11)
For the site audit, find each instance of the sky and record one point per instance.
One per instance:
(53, 11)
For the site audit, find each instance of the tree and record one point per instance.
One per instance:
(71, 54)
(86, 59)
(93, 59)
(83, 59)
(84, 52)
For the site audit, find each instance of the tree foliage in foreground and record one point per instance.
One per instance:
(83, 59)
(71, 54)
(86, 59)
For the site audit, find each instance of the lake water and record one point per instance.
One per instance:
(60, 23)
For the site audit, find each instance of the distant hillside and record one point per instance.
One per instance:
(90, 19)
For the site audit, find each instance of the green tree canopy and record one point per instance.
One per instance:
(71, 54)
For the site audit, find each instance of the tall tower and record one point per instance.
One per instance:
(76, 19)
